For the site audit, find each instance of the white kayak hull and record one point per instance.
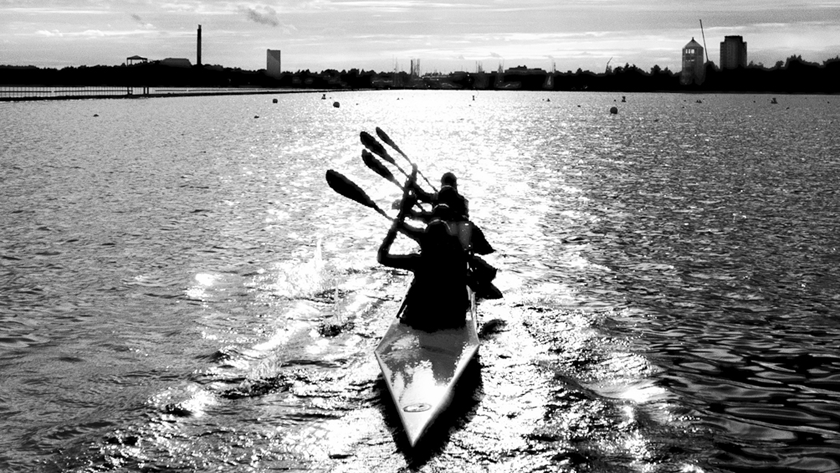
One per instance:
(422, 368)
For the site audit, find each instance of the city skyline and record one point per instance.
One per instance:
(382, 35)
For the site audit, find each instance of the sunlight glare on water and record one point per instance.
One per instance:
(183, 291)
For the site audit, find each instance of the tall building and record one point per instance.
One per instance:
(693, 65)
(733, 52)
(415, 68)
(272, 63)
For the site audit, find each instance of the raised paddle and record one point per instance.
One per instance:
(344, 186)
(376, 147)
(387, 139)
(376, 166)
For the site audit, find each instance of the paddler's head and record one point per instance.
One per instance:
(443, 212)
(437, 240)
(447, 195)
(449, 179)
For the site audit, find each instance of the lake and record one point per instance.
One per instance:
(182, 291)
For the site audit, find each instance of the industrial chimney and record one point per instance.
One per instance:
(198, 58)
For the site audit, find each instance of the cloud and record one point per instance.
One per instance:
(96, 34)
(49, 34)
(142, 23)
(263, 15)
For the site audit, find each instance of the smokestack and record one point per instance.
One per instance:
(198, 58)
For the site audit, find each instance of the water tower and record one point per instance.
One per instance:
(693, 66)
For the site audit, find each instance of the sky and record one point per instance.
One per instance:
(384, 35)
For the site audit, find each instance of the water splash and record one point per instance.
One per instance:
(296, 279)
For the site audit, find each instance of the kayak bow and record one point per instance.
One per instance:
(421, 369)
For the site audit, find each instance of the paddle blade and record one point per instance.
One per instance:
(480, 245)
(482, 270)
(488, 291)
(344, 186)
(376, 166)
(375, 146)
(480, 279)
(387, 139)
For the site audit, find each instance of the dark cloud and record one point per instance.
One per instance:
(140, 21)
(263, 16)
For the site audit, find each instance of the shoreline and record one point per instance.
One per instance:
(227, 92)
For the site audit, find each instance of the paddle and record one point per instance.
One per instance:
(379, 150)
(349, 189)
(387, 139)
(376, 166)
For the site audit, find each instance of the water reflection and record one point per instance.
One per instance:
(669, 278)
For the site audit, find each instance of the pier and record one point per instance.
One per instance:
(28, 93)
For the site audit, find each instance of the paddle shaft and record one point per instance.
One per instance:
(379, 150)
(387, 139)
(379, 168)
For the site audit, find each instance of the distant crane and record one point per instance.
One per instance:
(704, 41)
(608, 70)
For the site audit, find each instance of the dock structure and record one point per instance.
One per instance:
(38, 93)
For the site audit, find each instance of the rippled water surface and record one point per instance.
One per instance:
(181, 291)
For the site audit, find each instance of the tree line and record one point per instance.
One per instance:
(793, 75)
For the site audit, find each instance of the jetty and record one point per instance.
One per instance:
(31, 93)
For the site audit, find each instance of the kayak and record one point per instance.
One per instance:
(421, 369)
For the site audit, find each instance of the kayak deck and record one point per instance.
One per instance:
(421, 369)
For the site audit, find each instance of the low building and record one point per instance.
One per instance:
(175, 62)
(524, 70)
(136, 59)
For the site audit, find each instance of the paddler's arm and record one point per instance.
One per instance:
(406, 209)
(422, 215)
(410, 231)
(422, 195)
(384, 256)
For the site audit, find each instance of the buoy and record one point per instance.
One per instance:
(336, 104)
(623, 98)
(324, 97)
(274, 101)
(614, 110)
